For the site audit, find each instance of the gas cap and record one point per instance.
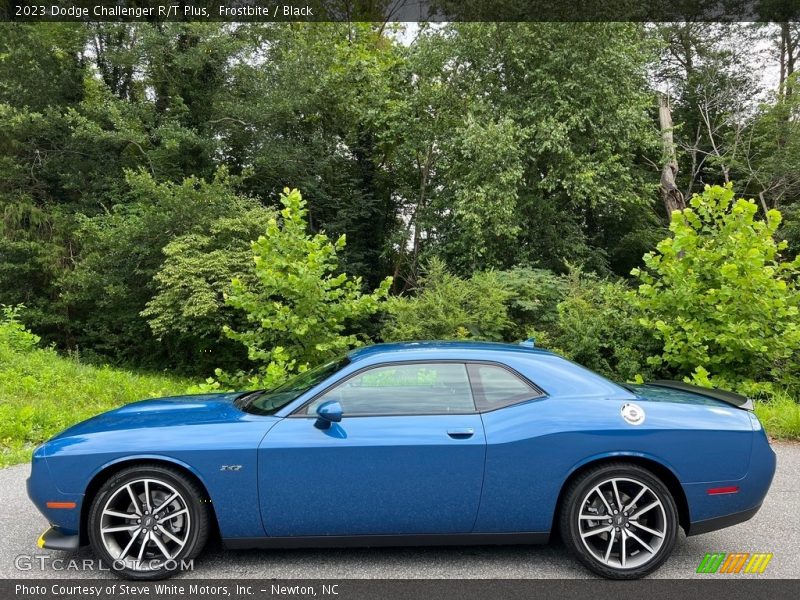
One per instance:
(632, 413)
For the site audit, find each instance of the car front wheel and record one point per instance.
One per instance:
(146, 522)
(619, 520)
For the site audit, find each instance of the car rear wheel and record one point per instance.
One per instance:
(619, 520)
(148, 521)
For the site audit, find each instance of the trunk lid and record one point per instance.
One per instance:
(679, 391)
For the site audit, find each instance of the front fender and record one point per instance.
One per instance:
(204, 450)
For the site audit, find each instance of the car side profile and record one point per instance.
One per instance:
(414, 443)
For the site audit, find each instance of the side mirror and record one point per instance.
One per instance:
(327, 413)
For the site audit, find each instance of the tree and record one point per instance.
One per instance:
(68, 140)
(541, 134)
(42, 70)
(510, 148)
(770, 161)
(672, 196)
(709, 75)
(315, 106)
(298, 310)
(789, 54)
(188, 312)
(721, 298)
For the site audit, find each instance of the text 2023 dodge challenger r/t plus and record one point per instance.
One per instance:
(409, 444)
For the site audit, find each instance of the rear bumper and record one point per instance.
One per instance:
(710, 511)
(699, 527)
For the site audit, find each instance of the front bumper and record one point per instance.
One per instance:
(54, 539)
(61, 510)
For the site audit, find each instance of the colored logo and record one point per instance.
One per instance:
(737, 562)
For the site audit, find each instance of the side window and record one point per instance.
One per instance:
(497, 387)
(403, 389)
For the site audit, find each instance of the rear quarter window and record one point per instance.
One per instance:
(496, 387)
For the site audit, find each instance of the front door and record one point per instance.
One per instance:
(406, 458)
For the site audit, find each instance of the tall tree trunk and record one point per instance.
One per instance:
(672, 196)
(782, 78)
(788, 47)
(763, 202)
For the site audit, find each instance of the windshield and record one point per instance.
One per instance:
(271, 401)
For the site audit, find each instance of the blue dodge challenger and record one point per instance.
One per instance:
(409, 444)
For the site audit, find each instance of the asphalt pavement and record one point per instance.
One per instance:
(776, 529)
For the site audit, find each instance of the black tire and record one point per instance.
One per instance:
(582, 498)
(161, 480)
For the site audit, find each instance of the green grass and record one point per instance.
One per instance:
(780, 417)
(42, 393)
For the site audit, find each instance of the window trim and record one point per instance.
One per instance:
(475, 388)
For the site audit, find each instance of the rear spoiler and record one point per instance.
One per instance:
(731, 398)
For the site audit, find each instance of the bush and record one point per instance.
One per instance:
(447, 307)
(13, 334)
(298, 310)
(122, 296)
(188, 311)
(599, 328)
(719, 297)
(534, 298)
(585, 318)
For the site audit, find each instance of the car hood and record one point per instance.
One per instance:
(160, 412)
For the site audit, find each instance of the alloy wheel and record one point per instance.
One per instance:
(622, 523)
(144, 524)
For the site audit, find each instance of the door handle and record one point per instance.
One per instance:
(461, 433)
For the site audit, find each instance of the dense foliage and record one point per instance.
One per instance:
(598, 327)
(129, 151)
(715, 302)
(503, 177)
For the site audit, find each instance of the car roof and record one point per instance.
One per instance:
(441, 349)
